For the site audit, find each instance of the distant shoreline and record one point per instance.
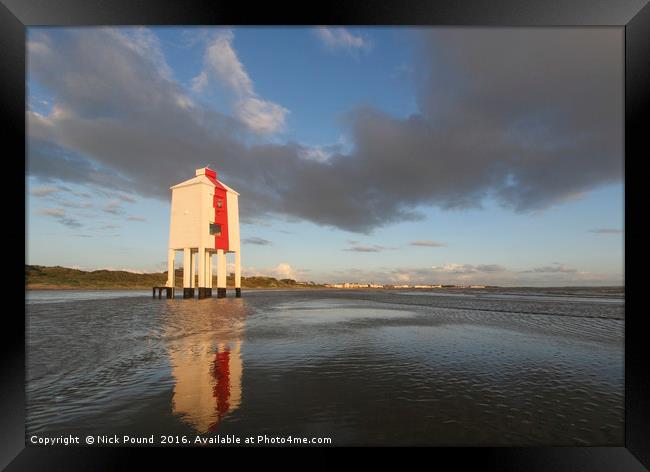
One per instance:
(617, 290)
(65, 278)
(56, 288)
(68, 279)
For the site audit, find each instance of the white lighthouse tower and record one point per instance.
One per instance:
(204, 221)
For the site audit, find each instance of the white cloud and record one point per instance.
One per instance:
(199, 82)
(122, 269)
(474, 274)
(261, 116)
(283, 270)
(222, 64)
(43, 191)
(341, 38)
(316, 153)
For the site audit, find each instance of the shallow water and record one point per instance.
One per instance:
(361, 367)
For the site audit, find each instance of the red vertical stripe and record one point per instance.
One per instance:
(220, 214)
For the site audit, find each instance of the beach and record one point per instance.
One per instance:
(363, 367)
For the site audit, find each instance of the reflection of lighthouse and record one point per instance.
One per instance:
(204, 348)
(226, 372)
(208, 383)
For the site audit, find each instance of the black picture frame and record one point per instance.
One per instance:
(632, 15)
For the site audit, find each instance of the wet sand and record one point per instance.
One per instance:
(496, 367)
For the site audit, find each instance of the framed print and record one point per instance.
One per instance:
(359, 225)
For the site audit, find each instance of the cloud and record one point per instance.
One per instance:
(285, 271)
(467, 268)
(113, 207)
(362, 248)
(606, 231)
(222, 64)
(69, 204)
(55, 212)
(427, 243)
(121, 269)
(528, 117)
(490, 268)
(260, 115)
(342, 39)
(144, 43)
(60, 215)
(126, 198)
(315, 153)
(136, 218)
(554, 268)
(43, 191)
(472, 274)
(257, 241)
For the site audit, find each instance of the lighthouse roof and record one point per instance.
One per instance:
(207, 176)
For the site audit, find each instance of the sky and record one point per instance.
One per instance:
(387, 155)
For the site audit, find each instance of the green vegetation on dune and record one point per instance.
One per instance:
(42, 277)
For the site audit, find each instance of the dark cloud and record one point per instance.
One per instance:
(427, 243)
(60, 215)
(126, 198)
(606, 230)
(363, 248)
(531, 117)
(257, 241)
(70, 222)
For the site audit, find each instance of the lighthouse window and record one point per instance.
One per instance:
(215, 229)
(219, 203)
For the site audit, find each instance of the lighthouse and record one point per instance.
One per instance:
(204, 222)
